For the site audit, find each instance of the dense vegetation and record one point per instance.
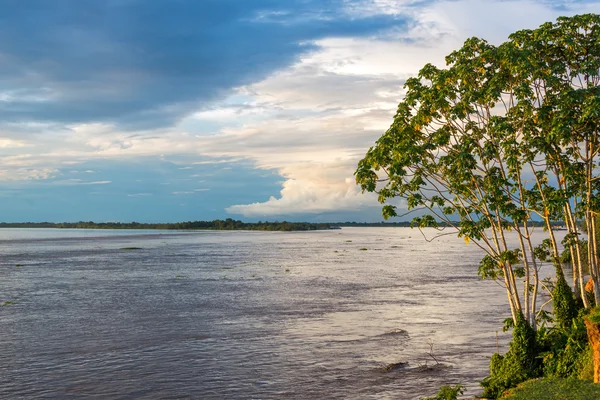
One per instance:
(502, 136)
(228, 224)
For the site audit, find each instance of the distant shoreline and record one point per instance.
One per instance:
(228, 224)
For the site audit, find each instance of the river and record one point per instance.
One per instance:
(242, 315)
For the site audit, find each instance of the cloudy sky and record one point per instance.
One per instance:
(170, 110)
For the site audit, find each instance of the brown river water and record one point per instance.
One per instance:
(242, 315)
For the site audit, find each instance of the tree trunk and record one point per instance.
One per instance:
(593, 331)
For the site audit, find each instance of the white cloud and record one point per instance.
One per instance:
(96, 183)
(311, 188)
(139, 194)
(75, 181)
(21, 174)
(6, 143)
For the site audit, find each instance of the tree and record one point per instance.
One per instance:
(502, 136)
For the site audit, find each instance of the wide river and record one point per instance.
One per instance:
(242, 315)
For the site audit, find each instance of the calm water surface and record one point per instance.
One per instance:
(242, 315)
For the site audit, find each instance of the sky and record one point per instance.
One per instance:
(178, 110)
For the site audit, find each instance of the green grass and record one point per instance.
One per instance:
(554, 389)
(8, 303)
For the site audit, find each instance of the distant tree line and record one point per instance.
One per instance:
(404, 224)
(228, 224)
(218, 224)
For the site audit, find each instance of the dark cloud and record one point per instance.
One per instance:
(146, 63)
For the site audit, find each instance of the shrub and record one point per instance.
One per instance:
(447, 393)
(564, 352)
(563, 302)
(517, 365)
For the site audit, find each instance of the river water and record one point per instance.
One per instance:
(242, 315)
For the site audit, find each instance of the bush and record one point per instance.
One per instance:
(517, 365)
(585, 364)
(554, 389)
(563, 302)
(565, 352)
(447, 393)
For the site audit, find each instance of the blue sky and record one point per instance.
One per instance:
(170, 110)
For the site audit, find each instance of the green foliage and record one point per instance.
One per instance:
(594, 315)
(499, 136)
(489, 268)
(555, 389)
(508, 324)
(563, 301)
(565, 256)
(517, 365)
(447, 393)
(565, 352)
(560, 351)
(585, 364)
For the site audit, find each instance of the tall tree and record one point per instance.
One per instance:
(501, 136)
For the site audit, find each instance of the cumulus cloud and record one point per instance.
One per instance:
(337, 100)
(310, 188)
